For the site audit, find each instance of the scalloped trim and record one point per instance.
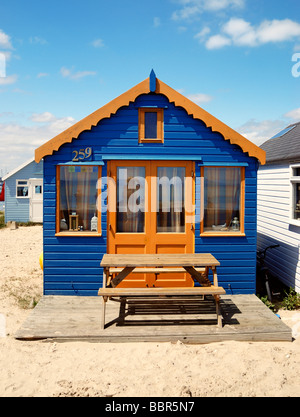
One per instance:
(143, 88)
(210, 121)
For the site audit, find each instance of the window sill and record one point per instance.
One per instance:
(151, 140)
(294, 222)
(78, 234)
(223, 234)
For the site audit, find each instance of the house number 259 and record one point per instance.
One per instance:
(82, 154)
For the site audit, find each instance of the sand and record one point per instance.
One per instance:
(39, 368)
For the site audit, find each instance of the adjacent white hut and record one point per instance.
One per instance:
(279, 205)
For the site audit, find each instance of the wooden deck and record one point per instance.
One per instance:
(245, 318)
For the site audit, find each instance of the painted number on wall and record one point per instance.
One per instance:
(82, 154)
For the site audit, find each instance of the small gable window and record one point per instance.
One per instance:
(151, 127)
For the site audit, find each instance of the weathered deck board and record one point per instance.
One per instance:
(245, 318)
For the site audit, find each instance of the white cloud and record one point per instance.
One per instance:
(278, 31)
(5, 41)
(37, 40)
(7, 55)
(98, 43)
(215, 5)
(199, 98)
(203, 33)
(42, 74)
(42, 117)
(192, 8)
(239, 32)
(185, 13)
(8, 80)
(19, 141)
(69, 73)
(294, 115)
(260, 131)
(217, 41)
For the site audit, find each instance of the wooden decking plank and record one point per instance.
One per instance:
(245, 318)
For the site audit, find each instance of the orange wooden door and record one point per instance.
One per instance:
(151, 210)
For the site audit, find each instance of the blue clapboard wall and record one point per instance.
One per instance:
(72, 264)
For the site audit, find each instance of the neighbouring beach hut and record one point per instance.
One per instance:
(149, 172)
(279, 205)
(24, 193)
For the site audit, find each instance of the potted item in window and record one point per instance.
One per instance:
(94, 224)
(219, 227)
(63, 224)
(73, 222)
(235, 224)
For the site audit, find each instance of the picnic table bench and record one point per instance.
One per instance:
(197, 265)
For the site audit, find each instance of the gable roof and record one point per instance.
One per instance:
(14, 171)
(151, 84)
(284, 146)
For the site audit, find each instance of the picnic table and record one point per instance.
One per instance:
(197, 265)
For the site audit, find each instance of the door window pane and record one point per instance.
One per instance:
(170, 199)
(131, 199)
(38, 189)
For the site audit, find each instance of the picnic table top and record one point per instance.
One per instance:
(159, 260)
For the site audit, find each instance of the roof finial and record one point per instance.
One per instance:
(152, 80)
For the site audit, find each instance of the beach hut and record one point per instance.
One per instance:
(149, 172)
(24, 193)
(2, 194)
(279, 205)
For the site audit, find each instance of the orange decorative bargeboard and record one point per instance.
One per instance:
(143, 88)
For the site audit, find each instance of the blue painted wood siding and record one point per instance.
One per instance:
(72, 264)
(17, 209)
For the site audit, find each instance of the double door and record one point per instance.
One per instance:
(151, 210)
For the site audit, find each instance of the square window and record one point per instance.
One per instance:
(151, 125)
(223, 200)
(78, 189)
(22, 189)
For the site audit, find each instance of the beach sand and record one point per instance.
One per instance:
(39, 368)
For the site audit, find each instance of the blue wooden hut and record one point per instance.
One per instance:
(24, 193)
(149, 172)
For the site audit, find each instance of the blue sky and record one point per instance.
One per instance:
(65, 59)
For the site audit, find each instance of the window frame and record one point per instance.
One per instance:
(58, 232)
(18, 185)
(160, 125)
(241, 232)
(294, 180)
